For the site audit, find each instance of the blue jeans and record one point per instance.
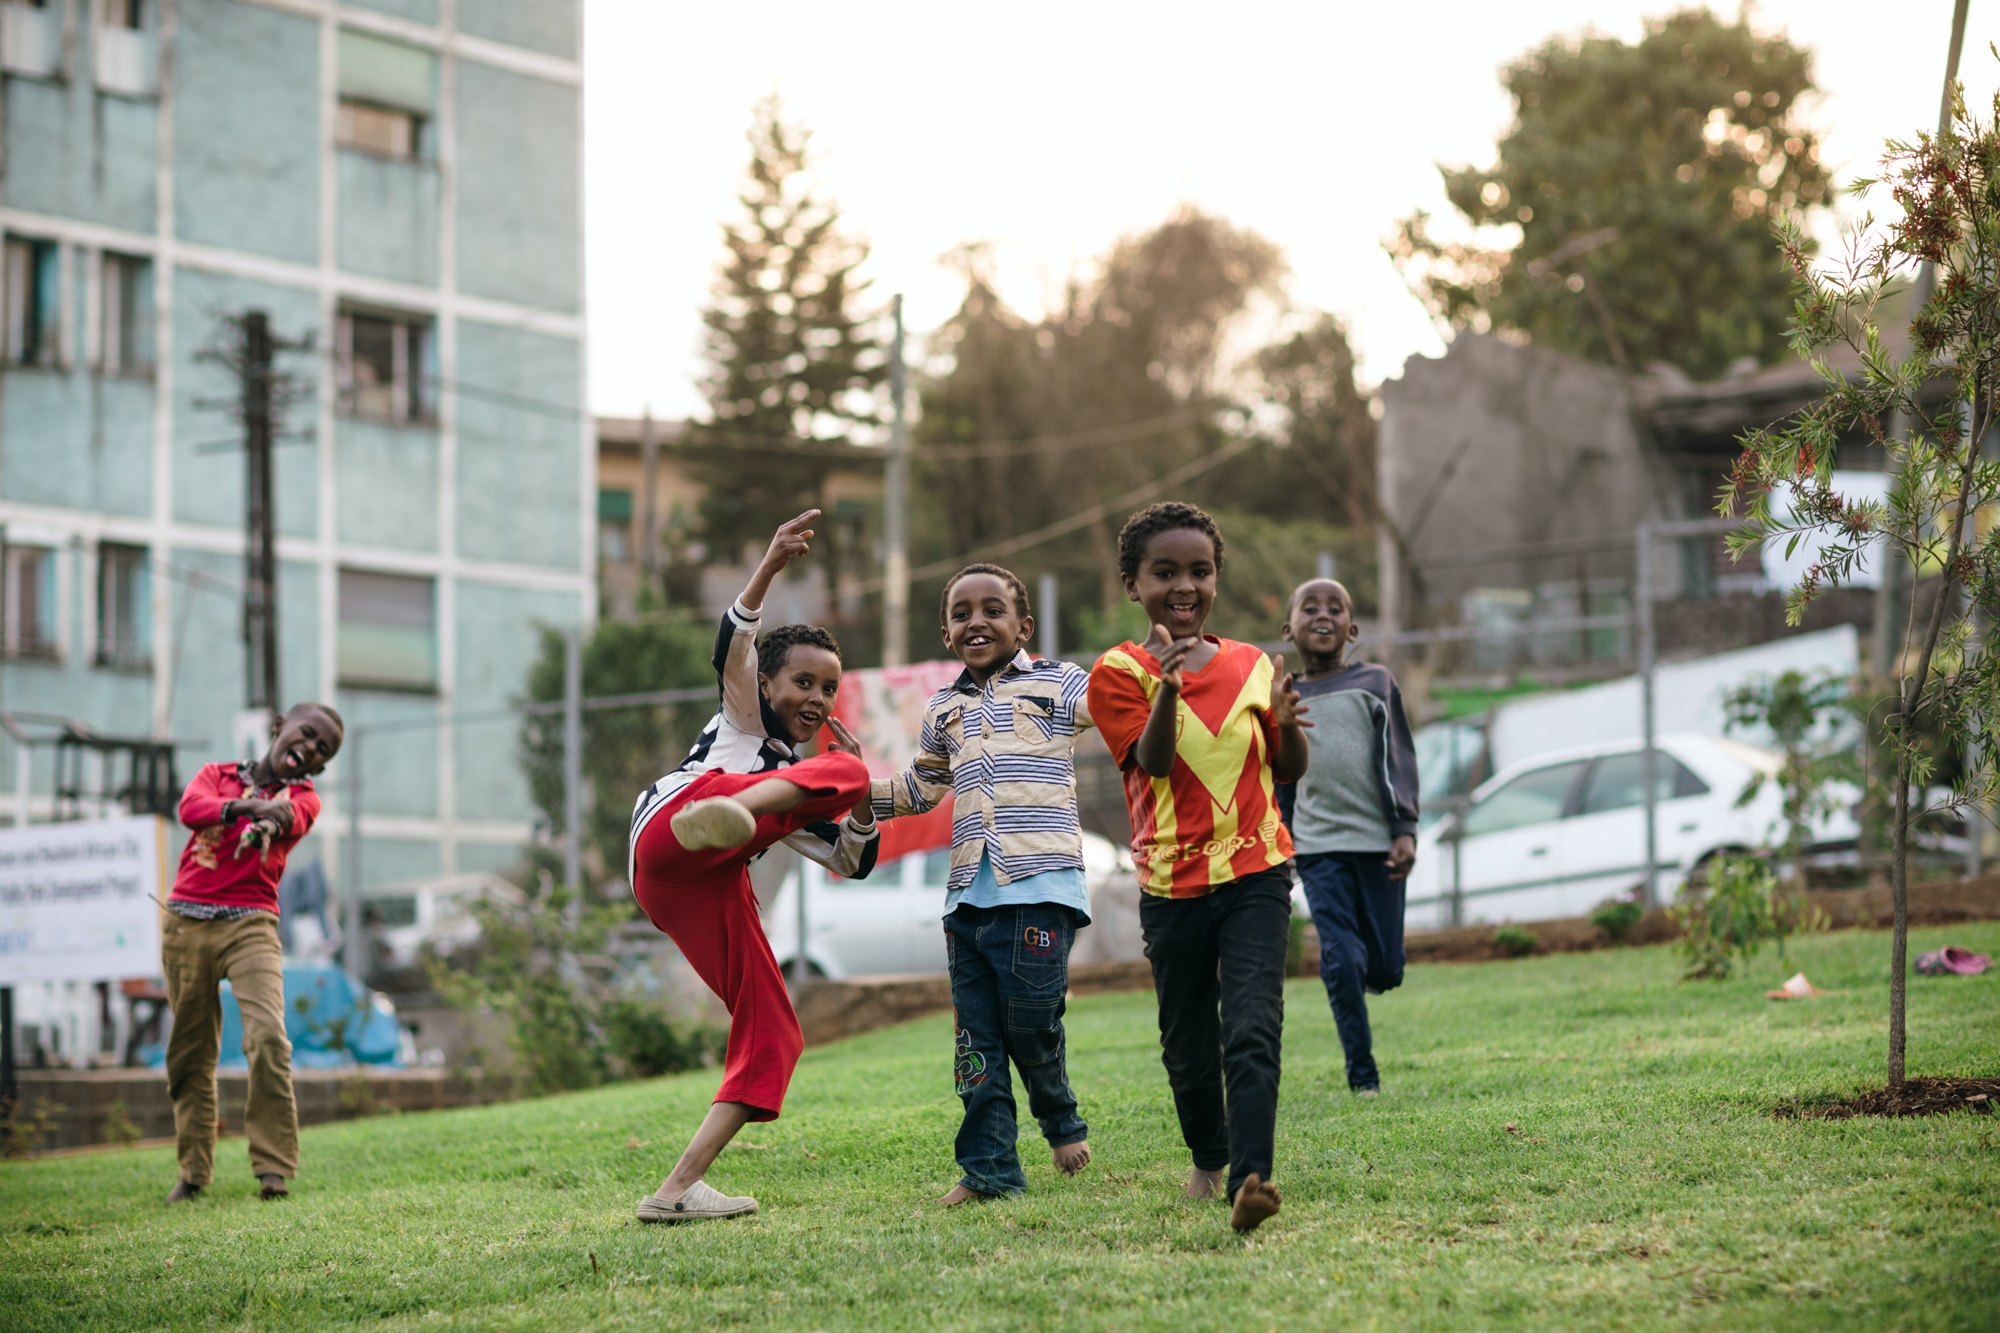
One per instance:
(1009, 975)
(1358, 911)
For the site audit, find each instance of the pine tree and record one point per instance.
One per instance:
(792, 367)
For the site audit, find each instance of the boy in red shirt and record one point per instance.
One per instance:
(221, 921)
(1204, 729)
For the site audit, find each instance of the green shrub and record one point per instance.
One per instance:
(1515, 941)
(639, 1039)
(1739, 908)
(1616, 917)
(545, 970)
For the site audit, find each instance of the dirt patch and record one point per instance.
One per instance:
(1917, 1096)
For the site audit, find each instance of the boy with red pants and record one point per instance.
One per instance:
(221, 923)
(741, 789)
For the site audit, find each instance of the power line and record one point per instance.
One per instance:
(1062, 527)
(806, 448)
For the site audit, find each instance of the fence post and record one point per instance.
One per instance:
(1462, 802)
(1648, 757)
(353, 947)
(573, 765)
(1045, 595)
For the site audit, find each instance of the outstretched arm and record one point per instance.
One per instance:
(788, 543)
(736, 643)
(918, 788)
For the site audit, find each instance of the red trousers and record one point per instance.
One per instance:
(703, 900)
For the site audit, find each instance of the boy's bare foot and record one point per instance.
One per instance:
(1204, 1184)
(959, 1194)
(182, 1192)
(272, 1187)
(1072, 1157)
(1256, 1203)
(719, 821)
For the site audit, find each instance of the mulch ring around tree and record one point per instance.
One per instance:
(1917, 1096)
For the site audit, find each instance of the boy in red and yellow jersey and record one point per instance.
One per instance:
(1204, 729)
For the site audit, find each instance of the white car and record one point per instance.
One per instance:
(893, 920)
(1556, 835)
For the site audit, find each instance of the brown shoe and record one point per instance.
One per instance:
(274, 1187)
(182, 1192)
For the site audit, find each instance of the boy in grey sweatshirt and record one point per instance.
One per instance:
(1353, 816)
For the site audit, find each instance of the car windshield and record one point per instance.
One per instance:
(1449, 757)
(1617, 782)
(1536, 797)
(397, 911)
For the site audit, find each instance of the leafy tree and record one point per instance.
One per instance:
(624, 749)
(1025, 423)
(1635, 193)
(1947, 193)
(1796, 710)
(1318, 420)
(792, 365)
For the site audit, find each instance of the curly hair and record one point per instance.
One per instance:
(1155, 519)
(1006, 576)
(777, 645)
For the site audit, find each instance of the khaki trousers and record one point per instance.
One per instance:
(196, 956)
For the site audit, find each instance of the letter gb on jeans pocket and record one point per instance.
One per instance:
(1041, 948)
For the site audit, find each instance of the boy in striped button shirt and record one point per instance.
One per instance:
(1000, 739)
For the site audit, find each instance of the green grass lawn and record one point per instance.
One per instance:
(1647, 1184)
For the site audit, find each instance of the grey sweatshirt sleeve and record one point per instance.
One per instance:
(1399, 768)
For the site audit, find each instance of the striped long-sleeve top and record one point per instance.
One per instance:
(1006, 754)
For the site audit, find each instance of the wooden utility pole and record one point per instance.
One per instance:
(896, 559)
(260, 582)
(649, 475)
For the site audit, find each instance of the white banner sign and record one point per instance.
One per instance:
(78, 901)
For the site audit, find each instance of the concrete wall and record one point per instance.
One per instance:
(1495, 446)
(229, 181)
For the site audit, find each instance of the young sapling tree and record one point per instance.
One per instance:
(1928, 410)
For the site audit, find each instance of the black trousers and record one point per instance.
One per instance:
(1219, 971)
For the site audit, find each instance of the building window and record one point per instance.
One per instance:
(384, 365)
(614, 526)
(377, 129)
(388, 631)
(124, 606)
(34, 301)
(31, 38)
(30, 598)
(388, 93)
(126, 57)
(128, 315)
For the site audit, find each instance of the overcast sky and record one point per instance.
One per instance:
(1048, 130)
